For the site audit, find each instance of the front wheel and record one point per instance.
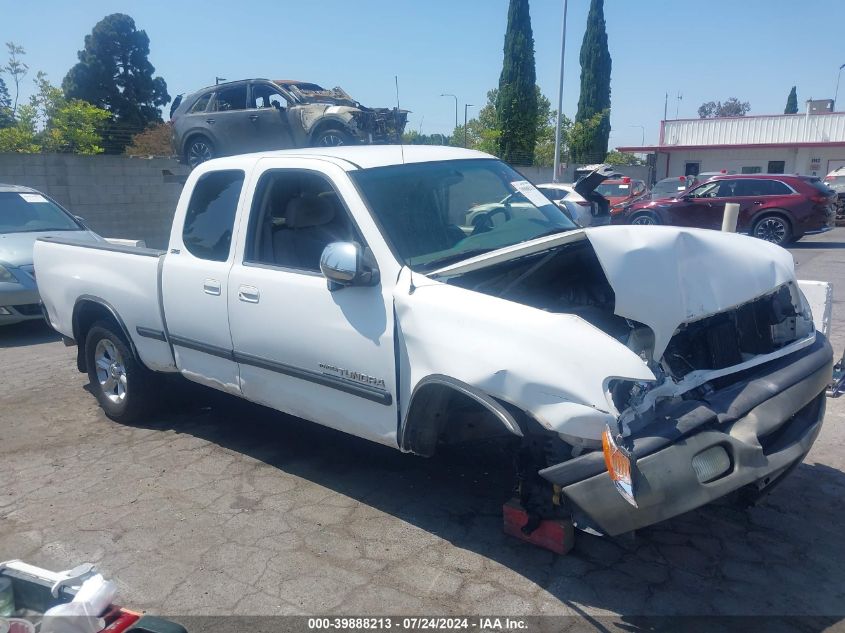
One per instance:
(333, 137)
(645, 219)
(122, 385)
(774, 229)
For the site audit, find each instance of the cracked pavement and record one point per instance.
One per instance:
(217, 506)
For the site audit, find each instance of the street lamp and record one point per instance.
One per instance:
(466, 105)
(446, 94)
(642, 127)
(556, 171)
(836, 94)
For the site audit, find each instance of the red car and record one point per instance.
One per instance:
(776, 208)
(621, 191)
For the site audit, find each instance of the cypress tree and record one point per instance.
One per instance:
(595, 84)
(791, 102)
(516, 102)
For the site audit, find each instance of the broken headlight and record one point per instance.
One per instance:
(623, 394)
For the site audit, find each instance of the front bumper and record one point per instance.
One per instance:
(20, 302)
(766, 422)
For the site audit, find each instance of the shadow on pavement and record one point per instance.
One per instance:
(27, 333)
(805, 245)
(782, 557)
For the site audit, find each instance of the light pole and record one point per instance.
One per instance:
(556, 172)
(836, 94)
(456, 105)
(466, 105)
(642, 127)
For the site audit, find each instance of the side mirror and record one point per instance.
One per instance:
(344, 264)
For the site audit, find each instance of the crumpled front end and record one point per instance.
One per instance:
(711, 319)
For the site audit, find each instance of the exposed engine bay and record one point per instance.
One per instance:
(570, 279)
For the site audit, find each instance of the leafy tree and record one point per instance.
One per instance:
(115, 74)
(154, 141)
(412, 137)
(622, 158)
(7, 119)
(595, 90)
(516, 100)
(717, 109)
(791, 102)
(581, 138)
(17, 69)
(21, 137)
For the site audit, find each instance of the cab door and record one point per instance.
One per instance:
(302, 348)
(269, 127)
(703, 207)
(195, 278)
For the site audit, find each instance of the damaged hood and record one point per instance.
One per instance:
(665, 276)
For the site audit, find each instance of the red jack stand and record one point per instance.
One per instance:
(555, 535)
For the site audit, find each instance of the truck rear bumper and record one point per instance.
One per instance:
(765, 424)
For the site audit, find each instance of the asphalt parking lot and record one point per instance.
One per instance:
(216, 506)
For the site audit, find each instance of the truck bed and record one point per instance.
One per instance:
(125, 279)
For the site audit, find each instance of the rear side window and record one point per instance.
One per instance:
(777, 188)
(233, 98)
(210, 219)
(201, 104)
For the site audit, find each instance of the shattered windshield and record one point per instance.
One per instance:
(435, 214)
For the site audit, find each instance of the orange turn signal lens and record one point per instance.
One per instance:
(619, 463)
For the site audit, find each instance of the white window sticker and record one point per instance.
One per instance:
(33, 197)
(681, 188)
(531, 192)
(624, 186)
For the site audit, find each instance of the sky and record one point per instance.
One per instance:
(751, 49)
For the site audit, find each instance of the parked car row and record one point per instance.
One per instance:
(777, 208)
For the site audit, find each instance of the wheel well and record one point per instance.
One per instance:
(777, 212)
(645, 212)
(446, 411)
(86, 313)
(191, 136)
(331, 124)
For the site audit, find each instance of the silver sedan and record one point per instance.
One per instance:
(26, 215)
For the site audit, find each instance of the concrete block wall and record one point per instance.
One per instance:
(118, 196)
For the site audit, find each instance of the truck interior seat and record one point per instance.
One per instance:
(306, 232)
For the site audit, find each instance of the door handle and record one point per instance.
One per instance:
(248, 294)
(253, 117)
(211, 287)
(210, 121)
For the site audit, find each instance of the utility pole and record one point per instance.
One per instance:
(678, 104)
(836, 94)
(456, 105)
(559, 121)
(217, 80)
(466, 105)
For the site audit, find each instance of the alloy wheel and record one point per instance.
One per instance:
(331, 140)
(772, 230)
(644, 220)
(111, 371)
(199, 152)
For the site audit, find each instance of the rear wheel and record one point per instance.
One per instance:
(199, 150)
(645, 219)
(773, 228)
(122, 385)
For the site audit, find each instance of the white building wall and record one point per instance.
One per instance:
(814, 161)
(748, 130)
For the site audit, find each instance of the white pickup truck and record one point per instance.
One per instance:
(637, 372)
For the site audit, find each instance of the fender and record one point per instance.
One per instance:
(409, 423)
(78, 307)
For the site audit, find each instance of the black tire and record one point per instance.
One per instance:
(333, 137)
(198, 150)
(645, 218)
(773, 228)
(105, 344)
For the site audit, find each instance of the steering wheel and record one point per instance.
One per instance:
(483, 222)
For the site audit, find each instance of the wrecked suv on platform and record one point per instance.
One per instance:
(258, 114)
(636, 372)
